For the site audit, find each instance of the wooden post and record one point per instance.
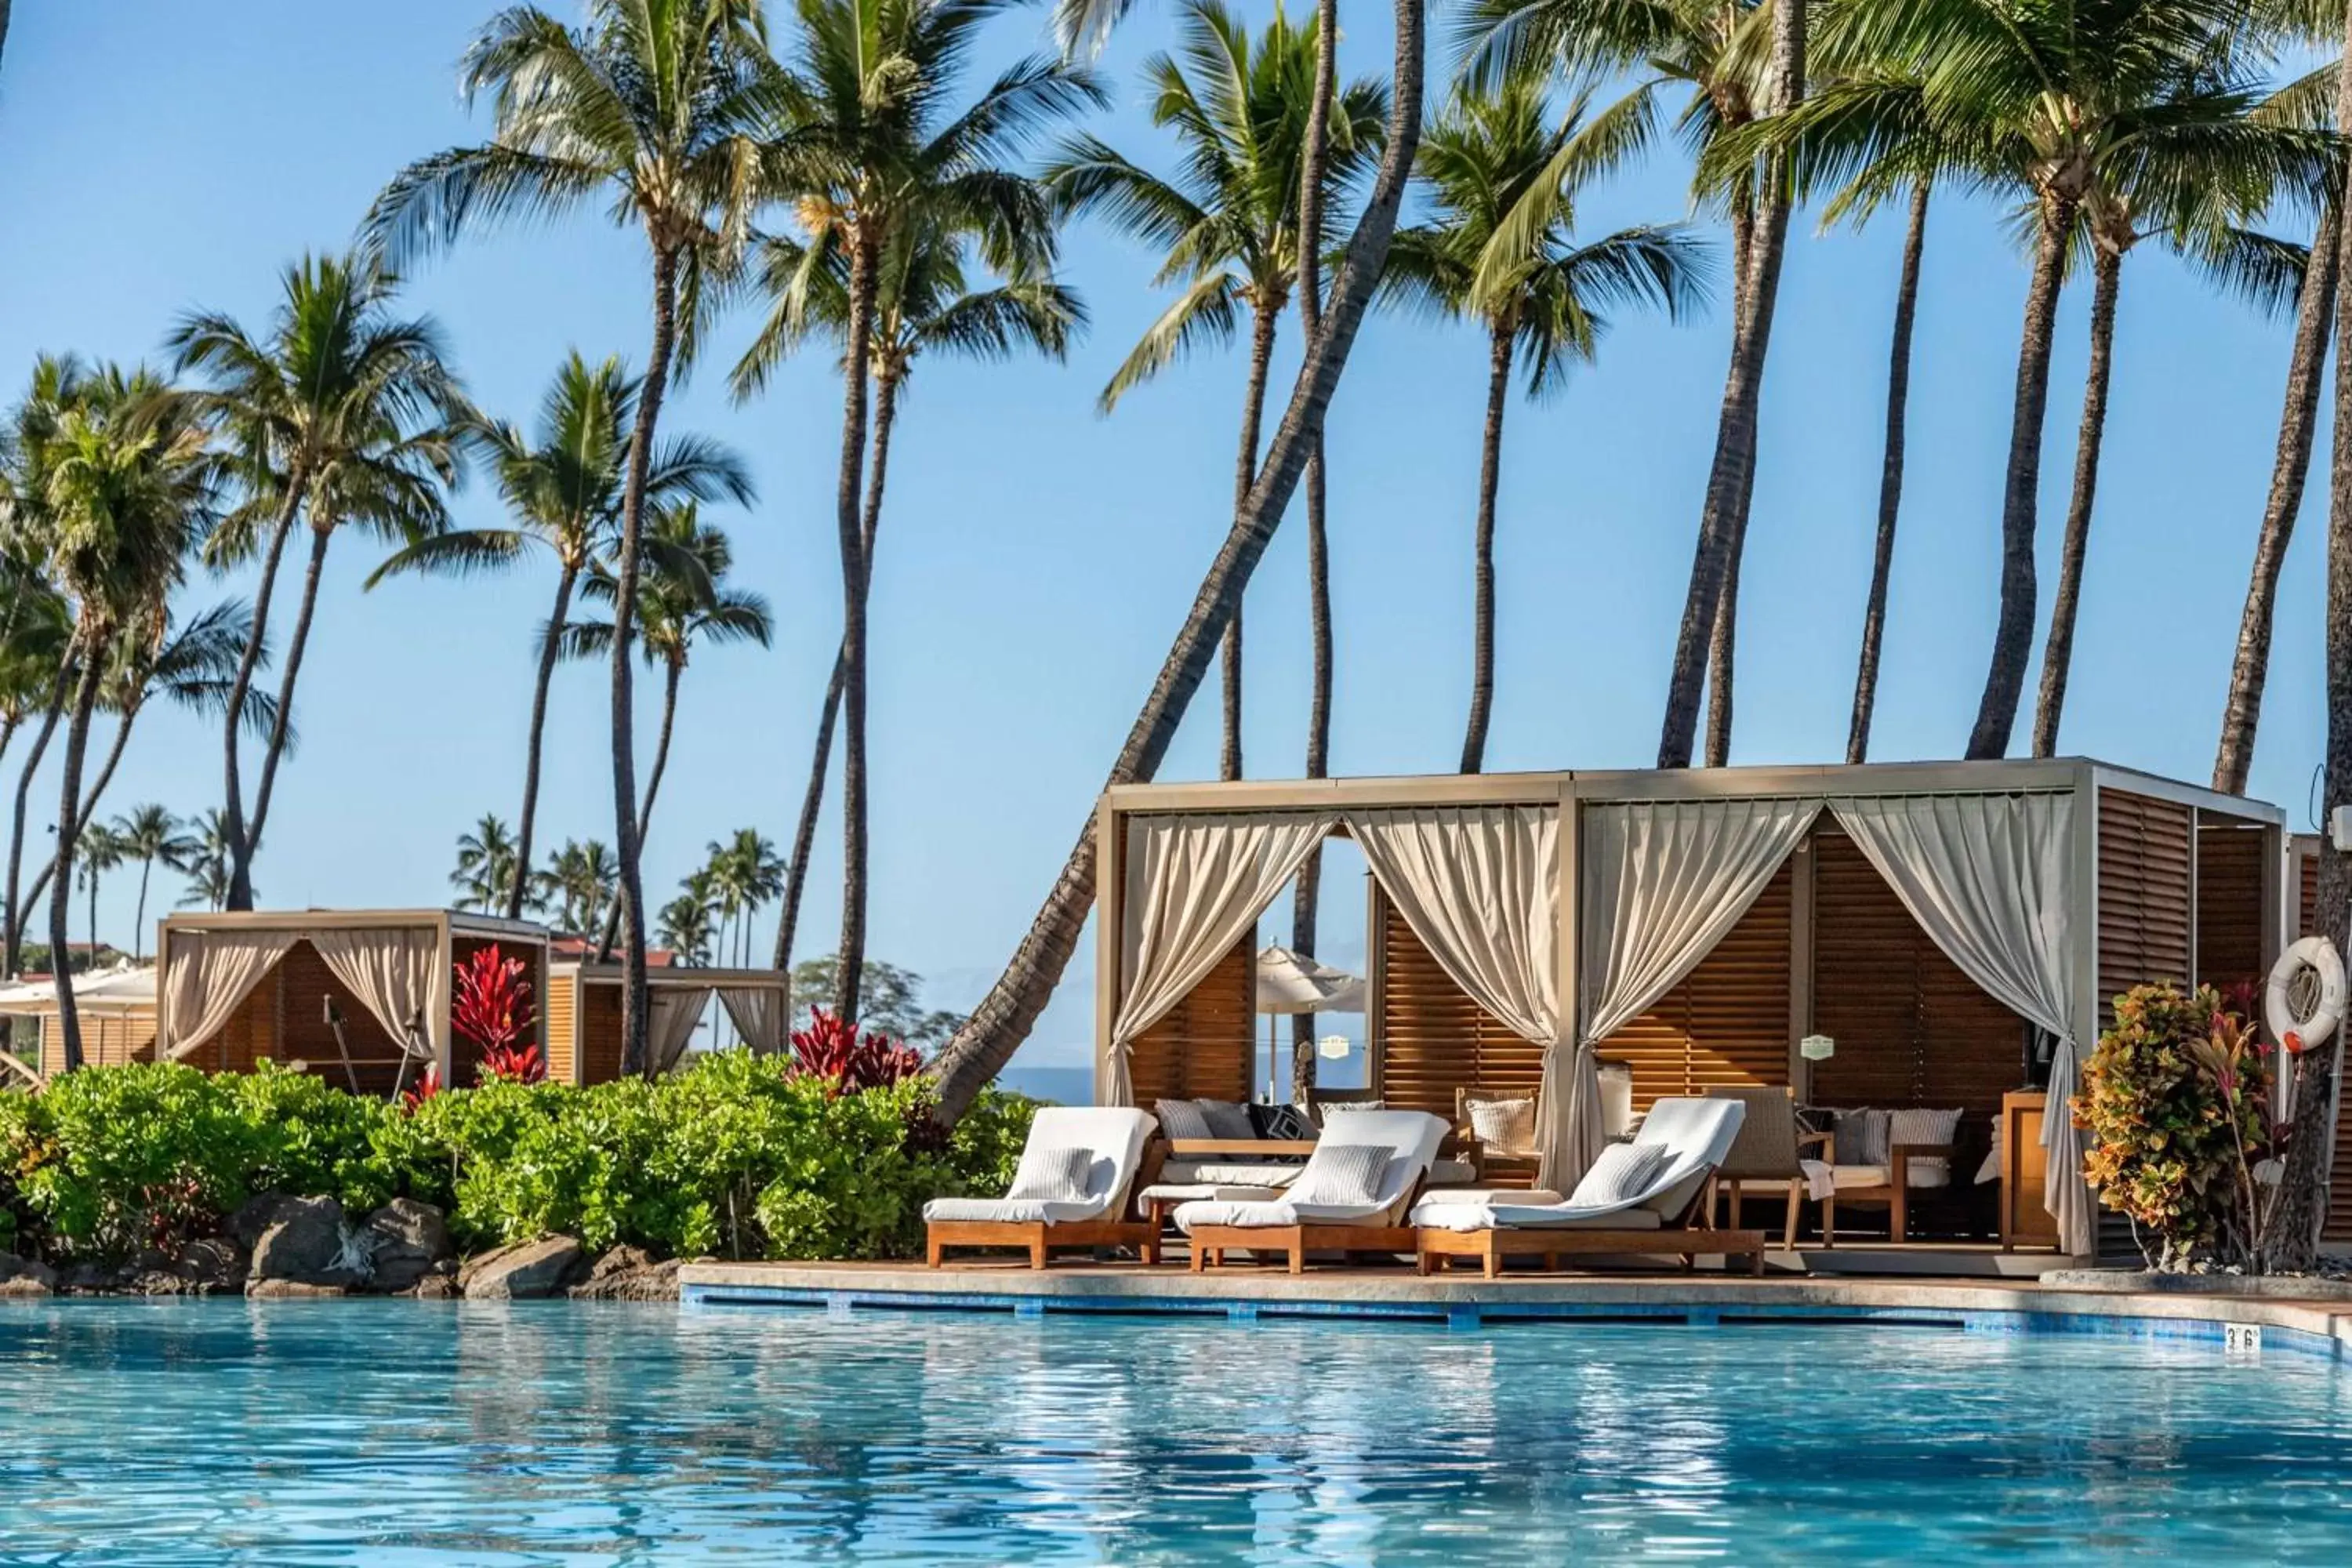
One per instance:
(1110, 888)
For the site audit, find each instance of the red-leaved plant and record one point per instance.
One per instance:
(836, 1051)
(423, 1089)
(492, 1008)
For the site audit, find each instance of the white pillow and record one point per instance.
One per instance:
(1182, 1119)
(1342, 1176)
(1053, 1175)
(1622, 1173)
(1505, 1126)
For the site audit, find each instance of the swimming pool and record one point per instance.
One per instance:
(398, 1433)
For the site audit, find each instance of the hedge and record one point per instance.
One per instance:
(737, 1157)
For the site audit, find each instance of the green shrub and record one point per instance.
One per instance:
(737, 1155)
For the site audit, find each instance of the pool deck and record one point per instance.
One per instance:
(1707, 1299)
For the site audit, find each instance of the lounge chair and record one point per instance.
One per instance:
(1071, 1190)
(1341, 1201)
(1602, 1216)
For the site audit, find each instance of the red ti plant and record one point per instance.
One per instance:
(492, 1008)
(836, 1051)
(423, 1089)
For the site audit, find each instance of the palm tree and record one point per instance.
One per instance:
(1229, 226)
(207, 868)
(657, 107)
(99, 849)
(339, 411)
(987, 1039)
(486, 864)
(148, 834)
(1504, 179)
(924, 304)
(872, 146)
(562, 485)
(578, 882)
(129, 491)
(684, 926)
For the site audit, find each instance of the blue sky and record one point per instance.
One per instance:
(1035, 557)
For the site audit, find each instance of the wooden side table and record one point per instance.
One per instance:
(2024, 1220)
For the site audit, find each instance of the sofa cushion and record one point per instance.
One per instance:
(1182, 1119)
(1860, 1137)
(1930, 1127)
(1228, 1120)
(1282, 1123)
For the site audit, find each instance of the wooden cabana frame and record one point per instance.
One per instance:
(2158, 863)
(584, 1010)
(281, 1017)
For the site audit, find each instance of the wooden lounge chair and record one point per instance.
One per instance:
(1119, 1140)
(1667, 1217)
(1294, 1223)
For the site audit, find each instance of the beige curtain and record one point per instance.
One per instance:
(1663, 882)
(1194, 885)
(759, 1014)
(395, 971)
(209, 975)
(670, 1019)
(1480, 887)
(1991, 879)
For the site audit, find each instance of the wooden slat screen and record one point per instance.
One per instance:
(1205, 1049)
(1433, 1038)
(557, 1018)
(1728, 1022)
(2144, 894)
(2308, 905)
(1911, 1029)
(2230, 906)
(600, 1033)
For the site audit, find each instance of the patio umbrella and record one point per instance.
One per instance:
(1291, 984)
(116, 994)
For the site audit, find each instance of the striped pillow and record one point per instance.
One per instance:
(1342, 1176)
(1930, 1127)
(1181, 1118)
(1622, 1173)
(1053, 1175)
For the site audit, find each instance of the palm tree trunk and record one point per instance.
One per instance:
(12, 947)
(547, 656)
(850, 523)
(1723, 637)
(1723, 522)
(2314, 309)
(93, 913)
(237, 842)
(1482, 632)
(90, 797)
(2058, 649)
(2012, 637)
(1890, 479)
(139, 919)
(2303, 1203)
(886, 417)
(1262, 326)
(1002, 1020)
(635, 998)
(319, 538)
(675, 668)
(61, 891)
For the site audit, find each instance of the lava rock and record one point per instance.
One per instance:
(305, 1242)
(406, 1240)
(525, 1270)
(25, 1277)
(629, 1274)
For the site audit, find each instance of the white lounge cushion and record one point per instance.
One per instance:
(1823, 1181)
(1545, 1216)
(1461, 1196)
(1227, 1173)
(1695, 1134)
(1410, 1138)
(1112, 1135)
(1208, 1192)
(1622, 1173)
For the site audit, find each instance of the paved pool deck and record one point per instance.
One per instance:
(2317, 1324)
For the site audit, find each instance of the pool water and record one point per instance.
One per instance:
(398, 1433)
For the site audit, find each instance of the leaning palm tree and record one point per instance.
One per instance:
(1229, 227)
(147, 834)
(340, 412)
(1504, 178)
(873, 144)
(656, 107)
(925, 305)
(986, 1040)
(486, 864)
(562, 485)
(129, 490)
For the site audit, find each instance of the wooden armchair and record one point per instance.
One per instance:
(1489, 1164)
(1895, 1193)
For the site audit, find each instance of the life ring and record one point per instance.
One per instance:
(2305, 996)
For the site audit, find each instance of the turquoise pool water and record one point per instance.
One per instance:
(398, 1433)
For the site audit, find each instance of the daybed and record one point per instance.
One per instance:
(1070, 1190)
(1351, 1196)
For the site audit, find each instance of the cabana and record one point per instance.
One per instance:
(583, 1014)
(116, 1010)
(361, 996)
(1891, 936)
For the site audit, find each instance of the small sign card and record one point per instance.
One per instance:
(1817, 1048)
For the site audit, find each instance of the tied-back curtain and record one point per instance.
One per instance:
(670, 1021)
(210, 974)
(1194, 885)
(759, 1014)
(1663, 882)
(1479, 885)
(395, 973)
(1991, 879)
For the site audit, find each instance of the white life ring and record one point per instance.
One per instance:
(2305, 996)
